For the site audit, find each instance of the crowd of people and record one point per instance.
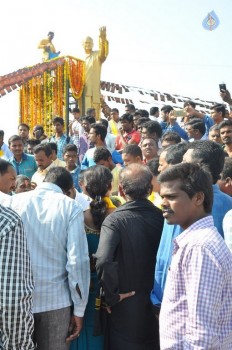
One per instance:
(116, 234)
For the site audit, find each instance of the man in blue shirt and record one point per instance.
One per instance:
(23, 163)
(97, 136)
(191, 112)
(195, 129)
(60, 138)
(71, 160)
(169, 122)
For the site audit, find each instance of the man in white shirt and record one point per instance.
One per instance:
(43, 158)
(154, 114)
(57, 244)
(75, 127)
(110, 138)
(56, 161)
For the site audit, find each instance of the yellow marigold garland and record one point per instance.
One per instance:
(65, 80)
(44, 96)
(76, 73)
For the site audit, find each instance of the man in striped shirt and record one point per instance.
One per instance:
(196, 312)
(16, 284)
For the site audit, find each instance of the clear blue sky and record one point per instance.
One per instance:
(153, 44)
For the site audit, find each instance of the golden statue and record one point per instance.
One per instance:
(93, 63)
(48, 48)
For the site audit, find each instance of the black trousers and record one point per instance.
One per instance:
(114, 341)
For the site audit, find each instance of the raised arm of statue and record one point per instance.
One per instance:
(103, 45)
(102, 31)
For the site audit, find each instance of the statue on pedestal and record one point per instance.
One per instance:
(93, 63)
(48, 48)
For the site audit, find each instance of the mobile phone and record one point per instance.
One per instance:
(222, 87)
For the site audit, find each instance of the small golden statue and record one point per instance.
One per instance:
(48, 48)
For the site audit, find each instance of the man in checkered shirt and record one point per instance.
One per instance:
(196, 312)
(16, 284)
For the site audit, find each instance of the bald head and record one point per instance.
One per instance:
(135, 181)
(88, 44)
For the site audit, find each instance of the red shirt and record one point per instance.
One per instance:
(127, 136)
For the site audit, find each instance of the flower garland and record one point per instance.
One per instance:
(65, 81)
(43, 102)
(44, 96)
(76, 73)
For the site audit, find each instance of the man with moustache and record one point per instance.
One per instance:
(23, 163)
(196, 311)
(43, 158)
(149, 149)
(208, 154)
(225, 128)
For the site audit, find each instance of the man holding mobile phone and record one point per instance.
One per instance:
(169, 122)
(191, 112)
(222, 87)
(225, 95)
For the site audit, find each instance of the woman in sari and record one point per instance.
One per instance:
(97, 182)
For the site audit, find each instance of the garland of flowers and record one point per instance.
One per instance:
(40, 99)
(65, 80)
(21, 110)
(26, 99)
(76, 74)
(55, 95)
(60, 87)
(44, 96)
(50, 95)
(43, 103)
(32, 101)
